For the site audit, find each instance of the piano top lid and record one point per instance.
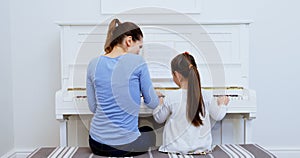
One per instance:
(186, 22)
(221, 50)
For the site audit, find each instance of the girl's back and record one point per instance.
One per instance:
(187, 111)
(179, 135)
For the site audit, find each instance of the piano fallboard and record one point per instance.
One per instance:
(73, 104)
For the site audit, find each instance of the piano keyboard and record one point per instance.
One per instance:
(233, 93)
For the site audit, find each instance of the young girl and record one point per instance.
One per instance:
(187, 111)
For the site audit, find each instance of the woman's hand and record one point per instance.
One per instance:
(222, 100)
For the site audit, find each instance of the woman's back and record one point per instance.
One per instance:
(117, 83)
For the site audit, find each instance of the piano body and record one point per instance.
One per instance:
(221, 50)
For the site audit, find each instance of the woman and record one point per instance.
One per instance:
(115, 83)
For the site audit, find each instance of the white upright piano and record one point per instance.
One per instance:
(221, 50)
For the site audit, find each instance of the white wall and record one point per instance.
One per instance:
(36, 73)
(35, 64)
(6, 106)
(274, 58)
(275, 74)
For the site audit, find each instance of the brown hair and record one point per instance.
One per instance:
(185, 65)
(117, 31)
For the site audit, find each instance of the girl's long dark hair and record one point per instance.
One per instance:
(185, 65)
(117, 31)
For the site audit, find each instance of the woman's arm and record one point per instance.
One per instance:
(148, 93)
(90, 90)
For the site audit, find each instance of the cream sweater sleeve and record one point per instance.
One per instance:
(217, 112)
(162, 111)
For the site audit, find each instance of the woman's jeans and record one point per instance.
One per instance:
(137, 147)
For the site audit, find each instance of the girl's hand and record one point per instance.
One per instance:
(223, 100)
(161, 97)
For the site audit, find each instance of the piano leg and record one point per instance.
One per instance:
(247, 130)
(63, 132)
(221, 131)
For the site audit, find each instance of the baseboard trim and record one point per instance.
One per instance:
(285, 152)
(279, 152)
(284, 149)
(9, 154)
(18, 153)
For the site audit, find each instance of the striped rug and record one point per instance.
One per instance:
(220, 151)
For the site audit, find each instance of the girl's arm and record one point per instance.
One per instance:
(161, 112)
(217, 109)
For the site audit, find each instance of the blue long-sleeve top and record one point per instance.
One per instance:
(114, 89)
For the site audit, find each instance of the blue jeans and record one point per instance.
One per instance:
(137, 147)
